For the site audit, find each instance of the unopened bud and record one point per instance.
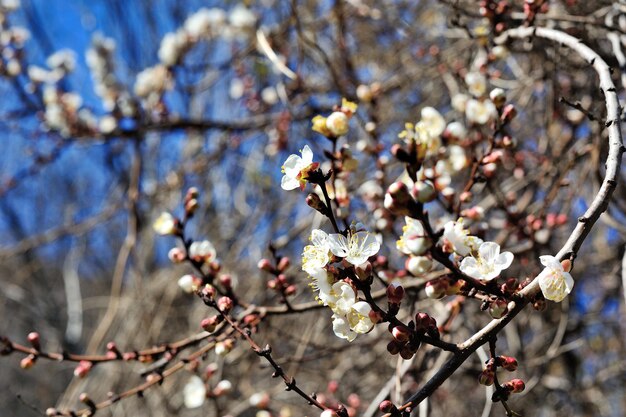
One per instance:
(498, 97)
(424, 191)
(418, 265)
(209, 324)
(315, 202)
(265, 265)
(223, 348)
(400, 153)
(329, 413)
(83, 368)
(401, 334)
(375, 316)
(394, 347)
(290, 290)
(226, 280)
(225, 304)
(28, 362)
(283, 264)
(51, 412)
(422, 322)
(191, 206)
(436, 288)
(363, 271)
(508, 113)
(514, 385)
(397, 198)
(566, 264)
(222, 388)
(208, 291)
(386, 406)
(395, 293)
(33, 339)
(487, 376)
(406, 352)
(509, 363)
(176, 255)
(498, 308)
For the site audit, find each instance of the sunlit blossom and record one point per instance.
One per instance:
(413, 240)
(355, 248)
(316, 255)
(554, 281)
(165, 224)
(297, 169)
(194, 392)
(488, 263)
(459, 238)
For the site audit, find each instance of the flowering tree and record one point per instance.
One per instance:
(387, 209)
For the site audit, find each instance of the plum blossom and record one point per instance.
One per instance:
(316, 255)
(413, 240)
(433, 121)
(489, 262)
(165, 224)
(297, 169)
(476, 83)
(459, 238)
(480, 112)
(554, 281)
(194, 392)
(355, 248)
(202, 251)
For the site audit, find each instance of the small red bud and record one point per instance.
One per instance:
(400, 333)
(487, 376)
(508, 363)
(226, 280)
(395, 293)
(283, 264)
(83, 368)
(394, 347)
(386, 406)
(209, 324)
(28, 362)
(514, 385)
(290, 290)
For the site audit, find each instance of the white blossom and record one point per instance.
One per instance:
(296, 169)
(187, 283)
(459, 238)
(476, 83)
(203, 251)
(488, 263)
(242, 18)
(165, 224)
(355, 248)
(316, 255)
(480, 112)
(338, 123)
(554, 281)
(413, 240)
(433, 121)
(194, 392)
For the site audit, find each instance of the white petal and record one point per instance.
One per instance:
(489, 251)
(292, 165)
(338, 245)
(342, 328)
(319, 237)
(307, 156)
(469, 266)
(504, 260)
(551, 262)
(287, 183)
(569, 281)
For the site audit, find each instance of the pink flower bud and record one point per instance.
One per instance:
(225, 304)
(424, 191)
(422, 322)
(208, 291)
(514, 385)
(209, 324)
(508, 113)
(83, 368)
(265, 265)
(290, 290)
(332, 386)
(566, 264)
(192, 192)
(397, 198)
(283, 264)
(509, 363)
(226, 280)
(222, 388)
(191, 206)
(375, 316)
(211, 369)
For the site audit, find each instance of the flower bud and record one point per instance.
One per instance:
(192, 192)
(397, 198)
(375, 316)
(265, 265)
(222, 388)
(33, 339)
(394, 347)
(209, 324)
(315, 202)
(498, 308)
(290, 290)
(508, 113)
(283, 263)
(386, 406)
(189, 283)
(191, 206)
(329, 413)
(260, 400)
(514, 385)
(395, 293)
(364, 93)
(424, 191)
(566, 264)
(208, 291)
(225, 304)
(165, 224)
(364, 271)
(28, 362)
(498, 97)
(436, 288)
(509, 286)
(487, 377)
(50, 412)
(176, 255)
(226, 280)
(224, 348)
(509, 363)
(401, 334)
(418, 265)
(84, 398)
(406, 352)
(422, 322)
(83, 368)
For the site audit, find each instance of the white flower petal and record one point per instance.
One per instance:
(504, 260)
(338, 244)
(489, 251)
(550, 262)
(194, 392)
(287, 183)
(307, 156)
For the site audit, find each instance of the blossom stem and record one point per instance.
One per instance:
(330, 214)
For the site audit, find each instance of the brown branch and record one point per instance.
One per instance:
(585, 223)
